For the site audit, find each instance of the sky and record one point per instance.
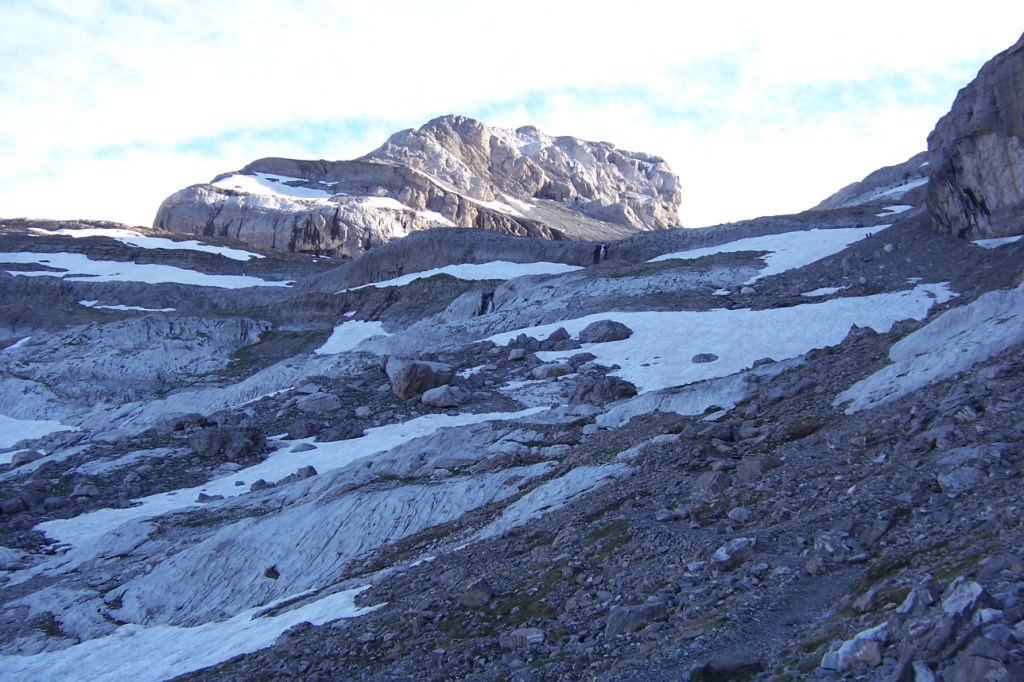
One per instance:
(109, 106)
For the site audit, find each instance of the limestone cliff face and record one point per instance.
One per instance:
(976, 154)
(452, 172)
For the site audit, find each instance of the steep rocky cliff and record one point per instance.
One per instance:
(453, 172)
(976, 154)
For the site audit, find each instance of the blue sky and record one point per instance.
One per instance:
(107, 107)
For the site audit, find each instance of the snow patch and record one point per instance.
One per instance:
(268, 184)
(348, 335)
(657, 356)
(159, 652)
(75, 267)
(823, 291)
(893, 210)
(954, 342)
(13, 431)
(997, 242)
(503, 270)
(786, 251)
(94, 304)
(139, 240)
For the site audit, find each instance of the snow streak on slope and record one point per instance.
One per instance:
(149, 654)
(88, 528)
(997, 242)
(786, 251)
(76, 267)
(137, 239)
(660, 353)
(952, 343)
(268, 184)
(15, 430)
(500, 269)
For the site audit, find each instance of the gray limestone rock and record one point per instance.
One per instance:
(976, 153)
(443, 396)
(412, 377)
(23, 457)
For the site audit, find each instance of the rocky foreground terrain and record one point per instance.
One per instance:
(783, 449)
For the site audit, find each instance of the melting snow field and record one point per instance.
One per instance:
(84, 530)
(13, 431)
(952, 343)
(660, 352)
(348, 335)
(499, 269)
(76, 267)
(145, 654)
(139, 240)
(786, 251)
(95, 304)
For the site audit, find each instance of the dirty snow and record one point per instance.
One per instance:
(659, 353)
(477, 271)
(75, 267)
(786, 251)
(144, 654)
(997, 242)
(139, 240)
(954, 342)
(13, 431)
(84, 530)
(350, 334)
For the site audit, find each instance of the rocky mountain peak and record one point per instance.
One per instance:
(976, 153)
(452, 172)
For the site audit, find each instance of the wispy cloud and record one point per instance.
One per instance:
(118, 104)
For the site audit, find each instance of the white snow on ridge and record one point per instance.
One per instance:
(76, 267)
(139, 240)
(997, 242)
(268, 184)
(478, 271)
(823, 291)
(13, 431)
(160, 652)
(954, 342)
(348, 335)
(786, 251)
(893, 210)
(94, 304)
(659, 353)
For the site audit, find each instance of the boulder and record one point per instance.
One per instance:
(478, 594)
(346, 430)
(603, 331)
(625, 619)
(551, 371)
(23, 457)
(413, 377)
(443, 396)
(319, 403)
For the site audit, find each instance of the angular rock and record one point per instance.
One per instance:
(521, 638)
(319, 403)
(551, 371)
(624, 619)
(733, 553)
(443, 396)
(346, 430)
(412, 377)
(478, 594)
(23, 457)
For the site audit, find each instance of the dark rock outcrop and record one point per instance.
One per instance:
(976, 154)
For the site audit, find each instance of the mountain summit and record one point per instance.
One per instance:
(452, 172)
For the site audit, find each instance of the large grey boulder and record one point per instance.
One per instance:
(412, 377)
(603, 331)
(976, 154)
